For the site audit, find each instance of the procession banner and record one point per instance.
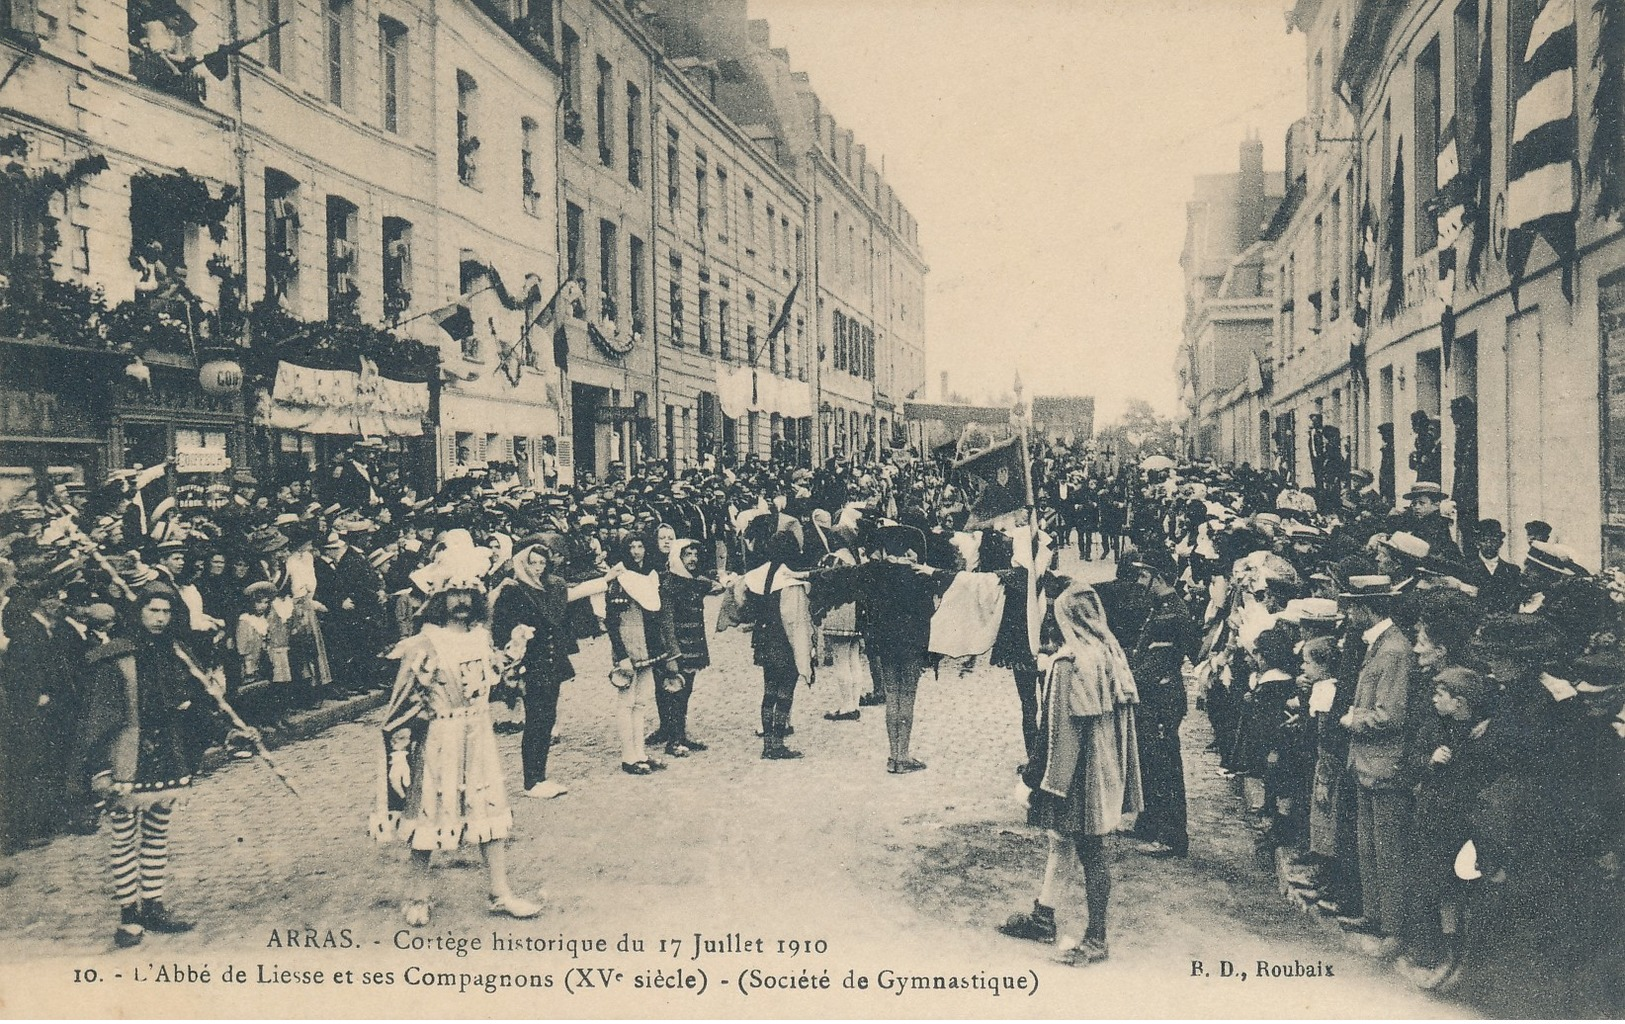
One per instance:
(364, 402)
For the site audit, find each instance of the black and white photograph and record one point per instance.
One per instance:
(812, 509)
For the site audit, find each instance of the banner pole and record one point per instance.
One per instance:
(1034, 621)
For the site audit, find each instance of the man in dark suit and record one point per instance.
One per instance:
(1425, 521)
(1499, 582)
(42, 664)
(353, 592)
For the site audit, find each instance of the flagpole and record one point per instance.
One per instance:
(1034, 628)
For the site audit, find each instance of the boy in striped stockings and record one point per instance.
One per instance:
(146, 728)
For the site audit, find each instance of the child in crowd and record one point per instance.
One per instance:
(1445, 757)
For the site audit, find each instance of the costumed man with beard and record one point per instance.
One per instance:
(442, 785)
(1168, 636)
(538, 598)
(147, 724)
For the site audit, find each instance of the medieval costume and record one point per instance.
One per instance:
(442, 783)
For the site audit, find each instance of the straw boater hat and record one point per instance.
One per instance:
(1368, 587)
(1426, 489)
(1557, 558)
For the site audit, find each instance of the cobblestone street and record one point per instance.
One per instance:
(891, 871)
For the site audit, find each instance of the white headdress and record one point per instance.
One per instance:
(456, 563)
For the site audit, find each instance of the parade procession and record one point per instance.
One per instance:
(473, 480)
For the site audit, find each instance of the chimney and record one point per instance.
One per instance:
(1250, 193)
(944, 385)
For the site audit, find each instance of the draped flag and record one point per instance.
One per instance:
(1003, 470)
(1365, 264)
(150, 498)
(783, 319)
(1449, 209)
(1393, 283)
(1478, 147)
(455, 319)
(1543, 193)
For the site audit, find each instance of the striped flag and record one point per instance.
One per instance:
(1543, 193)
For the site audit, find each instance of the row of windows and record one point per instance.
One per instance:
(1336, 238)
(853, 346)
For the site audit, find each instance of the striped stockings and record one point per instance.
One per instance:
(140, 853)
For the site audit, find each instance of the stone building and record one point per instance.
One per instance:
(610, 170)
(101, 113)
(732, 251)
(1229, 307)
(1506, 403)
(865, 269)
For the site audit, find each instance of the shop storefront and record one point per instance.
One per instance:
(50, 417)
(82, 414)
(310, 417)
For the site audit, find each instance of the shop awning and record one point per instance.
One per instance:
(746, 390)
(361, 402)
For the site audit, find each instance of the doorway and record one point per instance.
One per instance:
(585, 402)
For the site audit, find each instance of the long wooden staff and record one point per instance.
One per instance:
(230, 712)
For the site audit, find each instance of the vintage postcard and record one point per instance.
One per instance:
(812, 508)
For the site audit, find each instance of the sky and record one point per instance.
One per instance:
(1047, 149)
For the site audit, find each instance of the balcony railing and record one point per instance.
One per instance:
(159, 72)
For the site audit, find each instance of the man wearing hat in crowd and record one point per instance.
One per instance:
(43, 657)
(1379, 733)
(1546, 565)
(1425, 520)
(1499, 582)
(352, 591)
